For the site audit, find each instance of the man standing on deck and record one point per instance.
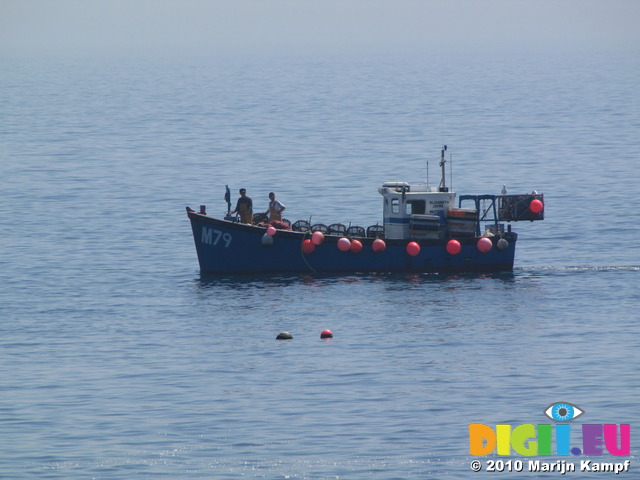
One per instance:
(244, 207)
(275, 209)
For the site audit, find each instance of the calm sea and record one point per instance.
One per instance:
(118, 360)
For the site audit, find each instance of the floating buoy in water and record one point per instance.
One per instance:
(378, 245)
(326, 334)
(503, 244)
(356, 246)
(267, 240)
(536, 206)
(317, 238)
(308, 246)
(453, 247)
(271, 231)
(413, 249)
(484, 245)
(344, 244)
(284, 336)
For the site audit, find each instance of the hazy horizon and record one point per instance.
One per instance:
(237, 27)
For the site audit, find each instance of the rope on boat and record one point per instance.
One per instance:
(304, 257)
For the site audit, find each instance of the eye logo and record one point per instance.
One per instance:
(563, 412)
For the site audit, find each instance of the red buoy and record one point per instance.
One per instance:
(453, 247)
(484, 245)
(344, 244)
(317, 238)
(536, 206)
(307, 246)
(271, 231)
(356, 246)
(413, 249)
(378, 245)
(326, 334)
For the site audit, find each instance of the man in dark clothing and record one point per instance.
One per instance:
(244, 207)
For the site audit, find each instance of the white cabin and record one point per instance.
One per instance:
(415, 211)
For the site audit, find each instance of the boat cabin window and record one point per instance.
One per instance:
(416, 207)
(395, 205)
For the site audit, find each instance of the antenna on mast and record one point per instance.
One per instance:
(427, 172)
(443, 185)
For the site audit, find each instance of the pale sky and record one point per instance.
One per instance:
(308, 26)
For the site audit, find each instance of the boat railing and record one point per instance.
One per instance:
(485, 205)
(505, 208)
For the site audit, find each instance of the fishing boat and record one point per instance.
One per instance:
(424, 230)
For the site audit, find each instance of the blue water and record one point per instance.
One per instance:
(118, 360)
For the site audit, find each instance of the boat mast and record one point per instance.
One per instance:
(443, 187)
(427, 172)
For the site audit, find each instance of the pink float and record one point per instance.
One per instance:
(378, 245)
(317, 238)
(344, 244)
(326, 334)
(308, 246)
(536, 206)
(484, 245)
(453, 247)
(413, 249)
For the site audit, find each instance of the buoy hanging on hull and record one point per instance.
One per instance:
(484, 245)
(356, 246)
(453, 247)
(267, 240)
(344, 244)
(378, 245)
(308, 246)
(413, 249)
(317, 238)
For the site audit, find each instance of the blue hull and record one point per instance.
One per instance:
(229, 247)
